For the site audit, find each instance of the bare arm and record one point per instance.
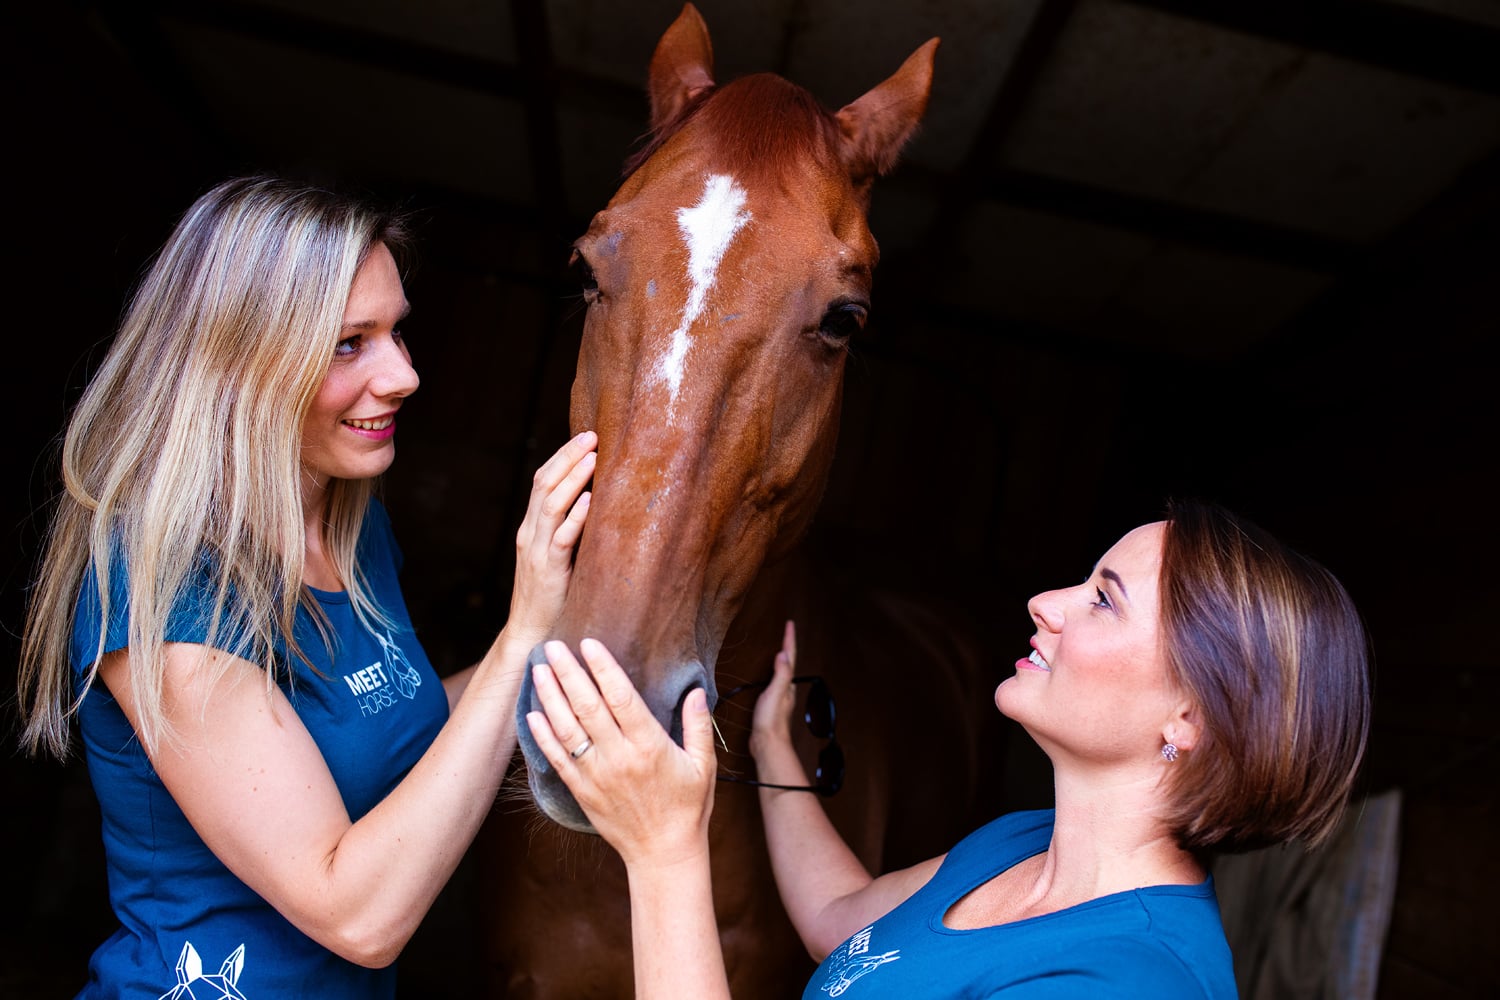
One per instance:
(252, 782)
(825, 888)
(651, 801)
(456, 683)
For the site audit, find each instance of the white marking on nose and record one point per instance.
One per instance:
(707, 228)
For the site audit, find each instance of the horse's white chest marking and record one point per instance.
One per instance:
(707, 228)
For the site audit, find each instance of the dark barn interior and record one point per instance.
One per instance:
(1141, 248)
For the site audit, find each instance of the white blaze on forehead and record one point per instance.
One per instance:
(707, 228)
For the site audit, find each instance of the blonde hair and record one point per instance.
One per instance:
(1276, 658)
(184, 451)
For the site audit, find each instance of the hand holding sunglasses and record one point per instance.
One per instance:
(818, 713)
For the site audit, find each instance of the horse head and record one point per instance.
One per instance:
(724, 281)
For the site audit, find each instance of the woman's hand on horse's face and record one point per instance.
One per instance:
(773, 709)
(544, 543)
(647, 797)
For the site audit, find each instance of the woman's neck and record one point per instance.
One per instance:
(318, 569)
(1108, 836)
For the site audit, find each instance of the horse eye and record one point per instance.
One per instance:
(842, 321)
(585, 274)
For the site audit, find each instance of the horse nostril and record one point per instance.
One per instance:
(697, 678)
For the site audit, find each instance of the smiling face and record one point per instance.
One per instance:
(1096, 686)
(349, 432)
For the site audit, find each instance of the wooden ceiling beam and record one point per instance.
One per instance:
(966, 186)
(540, 85)
(429, 62)
(345, 41)
(1393, 36)
(1171, 221)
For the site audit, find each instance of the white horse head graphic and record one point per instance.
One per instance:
(192, 984)
(406, 677)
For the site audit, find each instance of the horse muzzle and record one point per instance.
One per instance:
(663, 694)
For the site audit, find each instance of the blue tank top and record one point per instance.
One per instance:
(188, 926)
(1160, 941)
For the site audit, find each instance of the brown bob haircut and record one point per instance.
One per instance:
(1275, 655)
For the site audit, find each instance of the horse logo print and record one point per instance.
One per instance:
(855, 962)
(407, 679)
(844, 976)
(192, 984)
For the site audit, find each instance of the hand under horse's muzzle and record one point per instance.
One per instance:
(664, 696)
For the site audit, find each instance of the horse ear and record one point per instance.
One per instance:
(682, 67)
(189, 964)
(233, 966)
(878, 124)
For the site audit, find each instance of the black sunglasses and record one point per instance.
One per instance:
(819, 715)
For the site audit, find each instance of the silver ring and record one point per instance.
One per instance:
(581, 748)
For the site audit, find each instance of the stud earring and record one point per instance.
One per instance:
(1169, 752)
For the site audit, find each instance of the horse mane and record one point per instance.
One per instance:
(759, 124)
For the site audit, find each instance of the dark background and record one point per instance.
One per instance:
(1239, 250)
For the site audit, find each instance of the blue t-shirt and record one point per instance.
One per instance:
(188, 925)
(1160, 941)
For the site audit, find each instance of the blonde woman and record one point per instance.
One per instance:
(1205, 690)
(284, 781)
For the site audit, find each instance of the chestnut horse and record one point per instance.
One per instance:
(724, 282)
